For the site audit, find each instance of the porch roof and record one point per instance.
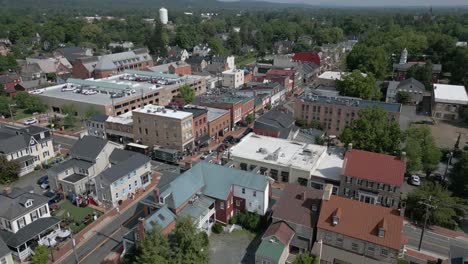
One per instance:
(28, 232)
(198, 207)
(74, 178)
(24, 158)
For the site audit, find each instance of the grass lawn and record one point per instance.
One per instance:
(243, 60)
(21, 114)
(77, 213)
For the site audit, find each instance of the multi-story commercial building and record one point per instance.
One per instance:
(289, 161)
(119, 94)
(288, 78)
(276, 124)
(351, 232)
(238, 106)
(25, 221)
(112, 64)
(335, 113)
(29, 146)
(156, 125)
(372, 177)
(449, 101)
(180, 67)
(120, 128)
(96, 126)
(219, 122)
(233, 78)
(200, 124)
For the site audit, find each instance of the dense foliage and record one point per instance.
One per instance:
(305, 259)
(248, 220)
(358, 85)
(8, 170)
(459, 177)
(422, 153)
(41, 255)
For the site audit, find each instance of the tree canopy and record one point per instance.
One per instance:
(356, 84)
(459, 177)
(421, 151)
(41, 255)
(8, 170)
(372, 131)
(187, 93)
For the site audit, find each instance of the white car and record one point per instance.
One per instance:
(36, 92)
(415, 180)
(68, 88)
(91, 92)
(30, 121)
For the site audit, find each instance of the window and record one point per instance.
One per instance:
(349, 179)
(21, 222)
(34, 215)
(130, 187)
(339, 239)
(327, 237)
(354, 246)
(43, 210)
(255, 194)
(274, 174)
(370, 249)
(238, 203)
(243, 190)
(221, 205)
(285, 176)
(384, 252)
(136, 183)
(116, 195)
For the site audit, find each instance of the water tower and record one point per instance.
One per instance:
(163, 15)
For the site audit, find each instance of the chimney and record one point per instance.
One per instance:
(350, 146)
(140, 229)
(327, 192)
(156, 194)
(336, 216)
(403, 156)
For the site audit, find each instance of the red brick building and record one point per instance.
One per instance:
(9, 81)
(180, 67)
(200, 124)
(239, 107)
(400, 70)
(287, 78)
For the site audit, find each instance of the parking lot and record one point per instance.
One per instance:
(29, 180)
(236, 247)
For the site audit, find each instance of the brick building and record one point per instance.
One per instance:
(335, 113)
(200, 124)
(180, 67)
(9, 81)
(287, 78)
(239, 107)
(112, 64)
(372, 178)
(276, 124)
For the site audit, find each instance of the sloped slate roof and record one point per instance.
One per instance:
(163, 217)
(12, 205)
(28, 232)
(124, 167)
(88, 147)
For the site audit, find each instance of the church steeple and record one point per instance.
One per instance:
(404, 56)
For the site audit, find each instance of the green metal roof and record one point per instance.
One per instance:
(153, 74)
(102, 84)
(270, 248)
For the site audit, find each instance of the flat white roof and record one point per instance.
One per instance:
(333, 75)
(124, 119)
(162, 111)
(316, 159)
(450, 94)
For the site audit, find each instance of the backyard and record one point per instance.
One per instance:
(236, 247)
(76, 216)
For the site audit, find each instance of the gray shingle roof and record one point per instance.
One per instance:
(88, 148)
(12, 205)
(28, 232)
(123, 166)
(163, 217)
(70, 164)
(411, 84)
(4, 250)
(99, 118)
(276, 121)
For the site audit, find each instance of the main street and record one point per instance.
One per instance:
(433, 243)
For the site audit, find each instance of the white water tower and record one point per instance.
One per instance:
(163, 15)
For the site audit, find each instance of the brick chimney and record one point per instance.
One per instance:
(156, 194)
(327, 192)
(140, 229)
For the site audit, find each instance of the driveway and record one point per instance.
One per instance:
(29, 180)
(408, 115)
(234, 248)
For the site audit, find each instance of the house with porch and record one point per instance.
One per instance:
(29, 146)
(89, 157)
(25, 222)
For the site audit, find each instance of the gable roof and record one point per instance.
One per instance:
(14, 138)
(374, 167)
(162, 217)
(99, 118)
(271, 249)
(352, 223)
(212, 180)
(281, 231)
(8, 77)
(124, 165)
(88, 147)
(12, 204)
(276, 121)
(411, 84)
(296, 205)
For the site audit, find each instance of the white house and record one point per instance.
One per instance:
(233, 78)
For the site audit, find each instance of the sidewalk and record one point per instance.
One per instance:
(414, 255)
(89, 231)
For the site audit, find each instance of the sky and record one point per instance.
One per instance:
(375, 3)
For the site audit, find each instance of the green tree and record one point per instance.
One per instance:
(372, 131)
(41, 255)
(448, 207)
(187, 93)
(35, 104)
(190, 245)
(154, 248)
(21, 98)
(330, 35)
(422, 73)
(158, 40)
(459, 177)
(235, 43)
(249, 118)
(8, 170)
(268, 106)
(91, 33)
(5, 103)
(70, 115)
(356, 84)
(421, 151)
(302, 46)
(403, 97)
(305, 259)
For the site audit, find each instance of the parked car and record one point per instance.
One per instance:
(229, 139)
(415, 180)
(36, 92)
(30, 121)
(43, 179)
(45, 185)
(53, 197)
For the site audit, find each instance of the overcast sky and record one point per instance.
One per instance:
(376, 2)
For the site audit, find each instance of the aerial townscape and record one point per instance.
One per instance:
(233, 131)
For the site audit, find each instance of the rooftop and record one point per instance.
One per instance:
(352, 223)
(213, 113)
(299, 205)
(350, 101)
(162, 111)
(123, 162)
(332, 75)
(88, 148)
(374, 167)
(276, 121)
(288, 153)
(13, 204)
(450, 94)
(222, 99)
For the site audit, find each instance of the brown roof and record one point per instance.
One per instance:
(295, 205)
(374, 167)
(362, 221)
(281, 231)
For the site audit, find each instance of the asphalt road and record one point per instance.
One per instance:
(432, 242)
(64, 141)
(95, 249)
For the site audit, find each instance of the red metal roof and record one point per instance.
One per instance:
(281, 231)
(352, 223)
(307, 57)
(374, 167)
(281, 72)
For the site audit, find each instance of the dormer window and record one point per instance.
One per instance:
(382, 227)
(28, 203)
(381, 232)
(161, 200)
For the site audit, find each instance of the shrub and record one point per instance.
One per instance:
(217, 228)
(249, 221)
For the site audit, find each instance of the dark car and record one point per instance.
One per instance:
(229, 139)
(42, 179)
(53, 197)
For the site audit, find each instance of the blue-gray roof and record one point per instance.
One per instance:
(212, 180)
(163, 217)
(351, 101)
(123, 167)
(88, 148)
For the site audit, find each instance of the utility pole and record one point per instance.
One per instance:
(11, 113)
(426, 216)
(74, 247)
